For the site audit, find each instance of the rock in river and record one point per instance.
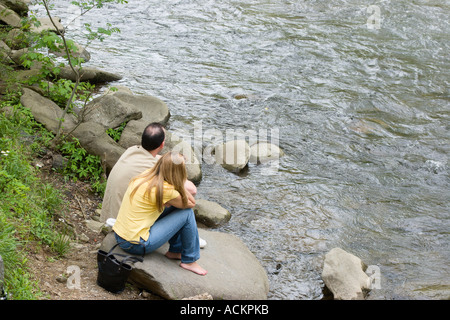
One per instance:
(234, 273)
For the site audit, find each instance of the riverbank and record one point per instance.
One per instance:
(91, 132)
(53, 236)
(57, 278)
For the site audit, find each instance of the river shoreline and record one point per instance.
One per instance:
(364, 170)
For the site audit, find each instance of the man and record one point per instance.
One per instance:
(132, 162)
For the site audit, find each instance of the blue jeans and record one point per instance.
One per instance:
(178, 226)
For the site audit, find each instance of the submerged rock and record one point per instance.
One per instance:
(264, 152)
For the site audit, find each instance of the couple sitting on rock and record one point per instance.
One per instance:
(152, 200)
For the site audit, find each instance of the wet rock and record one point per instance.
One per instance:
(264, 152)
(210, 213)
(344, 276)
(233, 155)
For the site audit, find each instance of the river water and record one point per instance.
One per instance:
(359, 94)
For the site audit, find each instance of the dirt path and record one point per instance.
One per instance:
(74, 276)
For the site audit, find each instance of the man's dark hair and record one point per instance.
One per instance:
(153, 136)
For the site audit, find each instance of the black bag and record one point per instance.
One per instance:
(113, 273)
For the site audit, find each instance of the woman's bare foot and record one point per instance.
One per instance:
(194, 267)
(173, 255)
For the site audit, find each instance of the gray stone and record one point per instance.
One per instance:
(233, 155)
(152, 108)
(79, 52)
(46, 24)
(19, 6)
(211, 214)
(9, 17)
(46, 111)
(16, 55)
(5, 53)
(344, 276)
(193, 166)
(93, 225)
(110, 111)
(92, 75)
(263, 152)
(95, 140)
(234, 273)
(17, 39)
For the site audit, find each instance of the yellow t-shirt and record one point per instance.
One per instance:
(137, 216)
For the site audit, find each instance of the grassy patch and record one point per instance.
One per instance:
(28, 206)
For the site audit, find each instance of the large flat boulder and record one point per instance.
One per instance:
(110, 111)
(234, 273)
(152, 108)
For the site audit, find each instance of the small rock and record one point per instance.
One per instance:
(83, 238)
(202, 296)
(61, 278)
(233, 155)
(94, 225)
(264, 152)
(58, 162)
(344, 276)
(90, 74)
(210, 213)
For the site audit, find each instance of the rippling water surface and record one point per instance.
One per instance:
(363, 117)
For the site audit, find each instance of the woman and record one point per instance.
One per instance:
(143, 222)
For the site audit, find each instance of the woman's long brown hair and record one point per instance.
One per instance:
(170, 168)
